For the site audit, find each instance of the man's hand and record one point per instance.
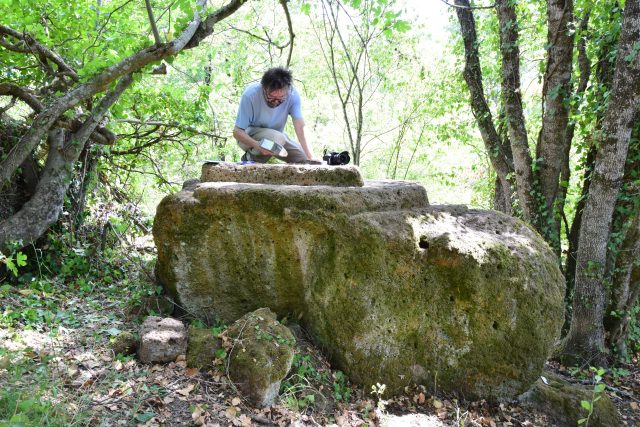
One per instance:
(264, 151)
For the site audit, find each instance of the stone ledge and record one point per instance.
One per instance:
(374, 196)
(283, 174)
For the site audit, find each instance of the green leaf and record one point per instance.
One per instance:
(582, 421)
(585, 404)
(11, 266)
(402, 25)
(25, 405)
(113, 331)
(306, 8)
(599, 388)
(21, 259)
(145, 416)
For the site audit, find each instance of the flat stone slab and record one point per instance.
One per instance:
(373, 196)
(282, 174)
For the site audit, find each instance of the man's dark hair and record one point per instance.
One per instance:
(276, 78)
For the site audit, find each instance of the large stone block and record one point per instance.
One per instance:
(396, 291)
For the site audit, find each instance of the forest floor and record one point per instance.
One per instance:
(57, 368)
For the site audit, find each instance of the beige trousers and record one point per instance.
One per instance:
(295, 152)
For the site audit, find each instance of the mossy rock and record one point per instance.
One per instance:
(201, 347)
(393, 290)
(124, 343)
(261, 355)
(560, 400)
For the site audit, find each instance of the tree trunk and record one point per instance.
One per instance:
(43, 209)
(473, 76)
(585, 340)
(510, 53)
(553, 147)
(625, 287)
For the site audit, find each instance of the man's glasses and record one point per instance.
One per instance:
(275, 100)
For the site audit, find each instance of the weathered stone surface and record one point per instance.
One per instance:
(202, 347)
(161, 340)
(283, 174)
(395, 291)
(261, 355)
(561, 402)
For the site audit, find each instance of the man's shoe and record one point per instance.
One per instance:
(245, 157)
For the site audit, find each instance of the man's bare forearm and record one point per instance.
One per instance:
(298, 126)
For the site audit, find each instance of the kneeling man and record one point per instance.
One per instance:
(263, 112)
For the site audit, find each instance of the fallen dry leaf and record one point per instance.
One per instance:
(421, 398)
(231, 412)
(186, 390)
(246, 421)
(181, 358)
(634, 406)
(197, 413)
(191, 372)
(236, 401)
(437, 404)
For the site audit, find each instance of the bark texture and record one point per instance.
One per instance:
(625, 289)
(510, 53)
(585, 341)
(552, 149)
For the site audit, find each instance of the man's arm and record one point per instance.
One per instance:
(242, 136)
(298, 125)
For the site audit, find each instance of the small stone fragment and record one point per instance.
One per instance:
(202, 347)
(561, 402)
(124, 343)
(161, 340)
(261, 357)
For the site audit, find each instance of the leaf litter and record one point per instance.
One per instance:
(120, 391)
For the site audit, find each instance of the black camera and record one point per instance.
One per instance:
(334, 158)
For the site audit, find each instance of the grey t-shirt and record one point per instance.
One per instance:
(254, 111)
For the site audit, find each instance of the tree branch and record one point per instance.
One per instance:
(170, 125)
(190, 37)
(290, 27)
(517, 131)
(23, 94)
(152, 21)
(473, 76)
(460, 6)
(41, 51)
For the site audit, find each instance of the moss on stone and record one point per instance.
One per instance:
(561, 402)
(202, 347)
(261, 355)
(469, 300)
(124, 343)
